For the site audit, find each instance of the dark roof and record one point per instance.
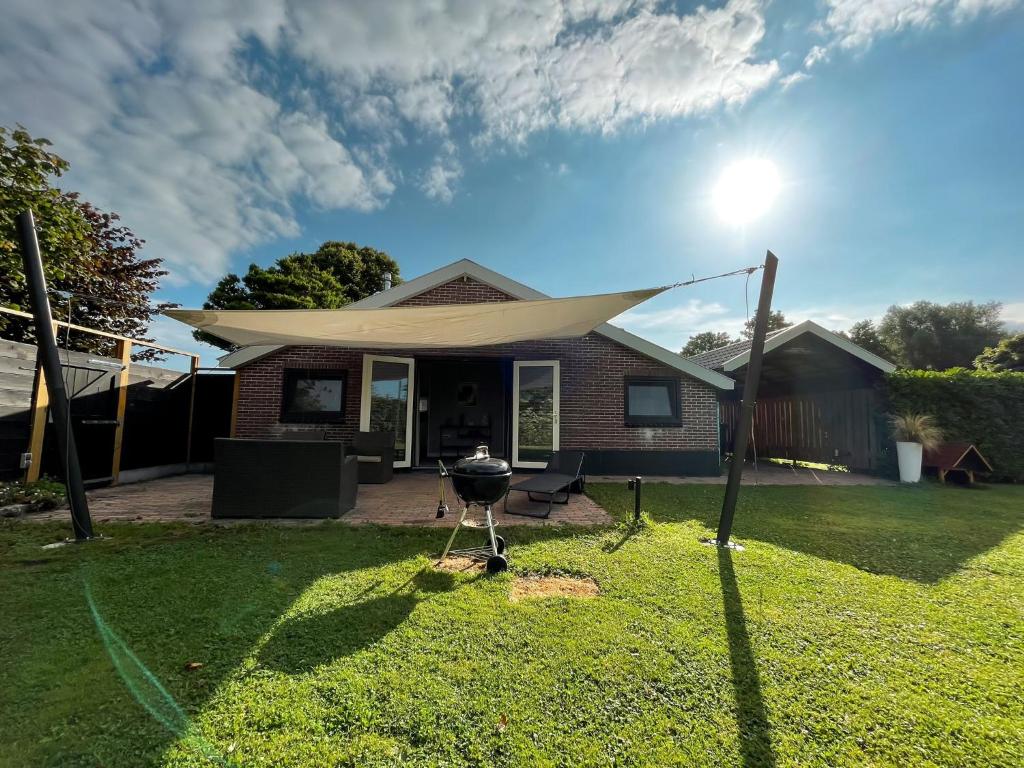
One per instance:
(714, 359)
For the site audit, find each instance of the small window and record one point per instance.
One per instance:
(652, 402)
(314, 396)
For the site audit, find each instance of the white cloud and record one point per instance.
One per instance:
(207, 125)
(438, 182)
(671, 327)
(178, 115)
(152, 106)
(855, 23)
(816, 54)
(1013, 315)
(792, 79)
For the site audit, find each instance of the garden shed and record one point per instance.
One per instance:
(818, 398)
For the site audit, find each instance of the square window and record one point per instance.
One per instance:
(314, 397)
(652, 402)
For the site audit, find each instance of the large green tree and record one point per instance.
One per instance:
(1007, 355)
(865, 334)
(936, 337)
(705, 342)
(776, 322)
(86, 252)
(336, 274)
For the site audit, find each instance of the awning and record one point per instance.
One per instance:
(448, 325)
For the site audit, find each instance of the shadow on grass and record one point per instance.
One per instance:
(921, 533)
(306, 642)
(174, 611)
(751, 718)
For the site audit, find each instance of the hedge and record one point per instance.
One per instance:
(982, 407)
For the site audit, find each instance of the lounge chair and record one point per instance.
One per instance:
(563, 474)
(375, 452)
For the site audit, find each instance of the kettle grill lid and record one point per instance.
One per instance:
(482, 465)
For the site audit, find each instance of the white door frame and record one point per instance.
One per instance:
(364, 406)
(556, 376)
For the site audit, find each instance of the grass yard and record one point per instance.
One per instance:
(862, 626)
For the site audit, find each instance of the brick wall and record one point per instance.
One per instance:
(592, 372)
(462, 290)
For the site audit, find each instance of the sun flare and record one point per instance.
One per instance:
(746, 190)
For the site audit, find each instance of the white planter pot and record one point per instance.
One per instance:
(909, 456)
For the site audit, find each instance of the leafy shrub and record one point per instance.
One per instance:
(981, 407)
(40, 495)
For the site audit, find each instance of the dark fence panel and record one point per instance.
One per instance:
(156, 418)
(212, 415)
(831, 427)
(156, 415)
(91, 383)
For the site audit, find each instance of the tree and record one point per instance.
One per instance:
(776, 321)
(336, 274)
(86, 252)
(1007, 355)
(938, 337)
(865, 334)
(705, 342)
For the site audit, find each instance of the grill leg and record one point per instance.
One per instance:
(451, 539)
(490, 529)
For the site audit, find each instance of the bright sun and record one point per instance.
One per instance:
(746, 190)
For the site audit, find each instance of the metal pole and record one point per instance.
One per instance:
(80, 520)
(753, 376)
(637, 486)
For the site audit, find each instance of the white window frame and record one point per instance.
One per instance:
(364, 405)
(517, 365)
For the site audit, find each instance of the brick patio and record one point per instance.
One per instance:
(409, 499)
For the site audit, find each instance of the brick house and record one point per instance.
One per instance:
(632, 406)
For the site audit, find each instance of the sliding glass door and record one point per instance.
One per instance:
(387, 401)
(534, 412)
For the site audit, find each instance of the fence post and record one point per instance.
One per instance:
(193, 371)
(123, 350)
(40, 406)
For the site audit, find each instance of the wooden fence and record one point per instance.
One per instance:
(844, 427)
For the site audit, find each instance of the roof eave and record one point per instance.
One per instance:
(809, 326)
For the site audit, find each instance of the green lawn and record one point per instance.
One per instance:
(861, 626)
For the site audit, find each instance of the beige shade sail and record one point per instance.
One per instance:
(448, 325)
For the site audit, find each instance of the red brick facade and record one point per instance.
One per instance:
(464, 290)
(591, 386)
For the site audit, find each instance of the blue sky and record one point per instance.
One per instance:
(571, 145)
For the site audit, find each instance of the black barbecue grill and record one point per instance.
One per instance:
(478, 480)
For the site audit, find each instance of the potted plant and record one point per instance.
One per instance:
(913, 433)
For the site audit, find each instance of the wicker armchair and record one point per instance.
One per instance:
(375, 453)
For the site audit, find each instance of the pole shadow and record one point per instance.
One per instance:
(751, 718)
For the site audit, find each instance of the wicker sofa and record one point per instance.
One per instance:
(283, 478)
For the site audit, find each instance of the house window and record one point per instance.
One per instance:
(652, 402)
(314, 396)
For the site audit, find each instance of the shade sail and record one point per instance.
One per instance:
(448, 325)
